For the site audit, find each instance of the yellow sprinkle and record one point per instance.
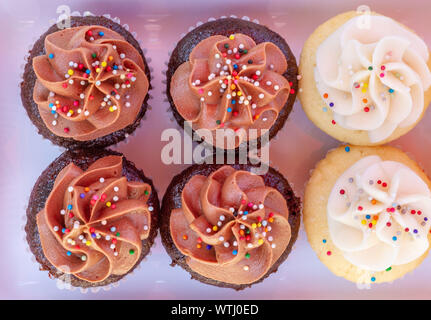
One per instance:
(364, 90)
(260, 241)
(215, 228)
(108, 204)
(111, 109)
(253, 225)
(239, 93)
(88, 243)
(259, 224)
(233, 87)
(374, 222)
(231, 37)
(98, 70)
(364, 221)
(71, 111)
(365, 85)
(70, 72)
(271, 220)
(104, 64)
(198, 246)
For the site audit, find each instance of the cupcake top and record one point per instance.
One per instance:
(94, 221)
(91, 82)
(231, 83)
(231, 227)
(372, 74)
(378, 214)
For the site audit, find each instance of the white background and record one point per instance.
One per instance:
(294, 152)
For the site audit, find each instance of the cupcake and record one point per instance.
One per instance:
(365, 79)
(230, 76)
(91, 218)
(227, 226)
(86, 86)
(366, 213)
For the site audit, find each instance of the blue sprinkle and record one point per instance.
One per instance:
(51, 105)
(234, 252)
(69, 207)
(235, 66)
(63, 230)
(87, 71)
(391, 90)
(51, 56)
(426, 219)
(229, 109)
(394, 238)
(82, 195)
(69, 253)
(53, 111)
(209, 247)
(373, 279)
(368, 216)
(245, 213)
(331, 104)
(101, 34)
(115, 67)
(324, 240)
(347, 149)
(325, 109)
(415, 231)
(233, 101)
(93, 235)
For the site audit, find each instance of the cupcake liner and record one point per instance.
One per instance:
(148, 60)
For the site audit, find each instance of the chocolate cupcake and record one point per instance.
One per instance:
(86, 86)
(92, 217)
(227, 226)
(232, 74)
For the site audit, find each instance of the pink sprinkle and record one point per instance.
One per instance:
(201, 91)
(95, 197)
(250, 204)
(129, 75)
(382, 75)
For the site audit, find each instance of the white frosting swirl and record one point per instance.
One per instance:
(373, 79)
(378, 214)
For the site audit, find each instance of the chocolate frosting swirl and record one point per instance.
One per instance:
(91, 82)
(94, 222)
(231, 227)
(231, 83)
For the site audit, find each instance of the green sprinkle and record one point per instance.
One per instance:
(117, 234)
(218, 121)
(389, 269)
(245, 51)
(370, 68)
(226, 45)
(131, 251)
(94, 55)
(146, 192)
(247, 255)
